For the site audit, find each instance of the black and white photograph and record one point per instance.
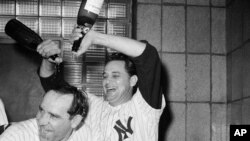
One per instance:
(124, 70)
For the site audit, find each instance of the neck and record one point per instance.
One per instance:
(126, 97)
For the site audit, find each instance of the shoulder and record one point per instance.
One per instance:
(95, 102)
(93, 99)
(83, 133)
(20, 130)
(141, 103)
(150, 50)
(29, 124)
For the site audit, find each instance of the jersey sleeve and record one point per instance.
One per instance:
(54, 81)
(148, 68)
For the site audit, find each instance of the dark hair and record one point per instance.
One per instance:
(129, 64)
(79, 105)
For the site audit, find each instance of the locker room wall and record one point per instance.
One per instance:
(20, 88)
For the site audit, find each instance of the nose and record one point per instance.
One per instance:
(43, 118)
(106, 81)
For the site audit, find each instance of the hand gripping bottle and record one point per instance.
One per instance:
(24, 35)
(87, 14)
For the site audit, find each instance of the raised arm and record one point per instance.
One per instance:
(124, 45)
(144, 56)
(49, 73)
(148, 68)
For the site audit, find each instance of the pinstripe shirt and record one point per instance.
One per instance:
(135, 120)
(131, 121)
(28, 131)
(3, 117)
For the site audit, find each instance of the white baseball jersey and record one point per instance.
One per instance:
(28, 131)
(3, 117)
(135, 120)
(131, 121)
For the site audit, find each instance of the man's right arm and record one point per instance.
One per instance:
(50, 71)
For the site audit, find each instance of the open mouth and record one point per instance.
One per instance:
(45, 132)
(110, 90)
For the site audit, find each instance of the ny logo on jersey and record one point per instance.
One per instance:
(122, 130)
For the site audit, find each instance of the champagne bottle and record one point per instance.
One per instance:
(24, 35)
(87, 14)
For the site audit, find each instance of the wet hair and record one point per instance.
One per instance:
(129, 64)
(79, 105)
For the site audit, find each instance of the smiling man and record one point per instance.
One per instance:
(132, 103)
(60, 114)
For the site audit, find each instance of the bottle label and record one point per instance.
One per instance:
(94, 6)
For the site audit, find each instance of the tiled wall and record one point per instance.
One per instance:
(238, 46)
(190, 36)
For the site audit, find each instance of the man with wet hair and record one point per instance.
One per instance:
(60, 116)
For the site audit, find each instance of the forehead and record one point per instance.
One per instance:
(114, 66)
(56, 103)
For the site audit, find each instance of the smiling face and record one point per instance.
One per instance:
(53, 120)
(117, 83)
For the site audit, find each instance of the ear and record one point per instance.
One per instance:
(133, 80)
(76, 121)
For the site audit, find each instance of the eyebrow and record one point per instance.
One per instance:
(114, 72)
(53, 114)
